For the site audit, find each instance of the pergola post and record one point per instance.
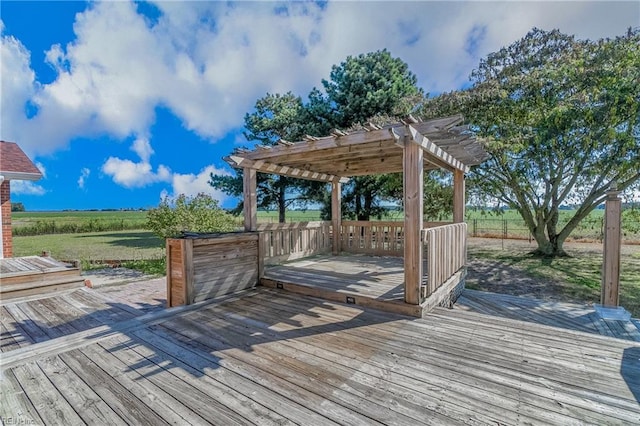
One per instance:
(336, 214)
(413, 184)
(249, 190)
(458, 196)
(611, 251)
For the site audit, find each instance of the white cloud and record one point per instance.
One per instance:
(209, 61)
(84, 174)
(193, 184)
(26, 187)
(18, 87)
(136, 175)
(142, 147)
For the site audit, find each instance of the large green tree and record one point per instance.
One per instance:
(561, 121)
(275, 117)
(369, 87)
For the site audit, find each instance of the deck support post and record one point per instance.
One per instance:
(336, 215)
(610, 295)
(458, 196)
(413, 185)
(249, 190)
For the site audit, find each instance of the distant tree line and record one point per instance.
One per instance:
(17, 207)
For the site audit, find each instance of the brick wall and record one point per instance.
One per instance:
(5, 201)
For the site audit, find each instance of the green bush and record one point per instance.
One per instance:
(189, 214)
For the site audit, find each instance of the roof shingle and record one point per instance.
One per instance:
(14, 161)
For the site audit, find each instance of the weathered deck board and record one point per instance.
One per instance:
(412, 368)
(32, 320)
(269, 357)
(393, 332)
(15, 406)
(557, 314)
(381, 278)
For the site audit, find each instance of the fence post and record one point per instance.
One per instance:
(610, 296)
(611, 250)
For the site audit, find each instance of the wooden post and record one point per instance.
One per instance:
(249, 190)
(413, 167)
(336, 214)
(611, 250)
(458, 196)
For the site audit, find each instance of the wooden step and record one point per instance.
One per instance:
(41, 286)
(39, 276)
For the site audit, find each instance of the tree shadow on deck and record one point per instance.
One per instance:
(244, 325)
(187, 339)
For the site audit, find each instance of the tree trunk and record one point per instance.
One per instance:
(368, 204)
(282, 204)
(358, 199)
(548, 247)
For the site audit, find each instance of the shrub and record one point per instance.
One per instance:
(194, 214)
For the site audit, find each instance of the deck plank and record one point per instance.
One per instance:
(557, 314)
(454, 350)
(116, 396)
(413, 371)
(89, 406)
(320, 398)
(225, 396)
(255, 385)
(46, 399)
(269, 357)
(147, 392)
(29, 321)
(15, 407)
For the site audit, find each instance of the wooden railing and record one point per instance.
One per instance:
(287, 241)
(379, 238)
(445, 253)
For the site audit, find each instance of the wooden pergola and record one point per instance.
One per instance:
(409, 146)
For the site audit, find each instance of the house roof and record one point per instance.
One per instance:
(14, 163)
(373, 150)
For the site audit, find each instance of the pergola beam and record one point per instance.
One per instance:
(435, 151)
(265, 167)
(329, 142)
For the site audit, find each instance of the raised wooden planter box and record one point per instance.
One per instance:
(208, 266)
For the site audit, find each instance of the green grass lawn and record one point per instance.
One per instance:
(93, 247)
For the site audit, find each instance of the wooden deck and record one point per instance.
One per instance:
(266, 357)
(373, 281)
(558, 314)
(30, 320)
(32, 275)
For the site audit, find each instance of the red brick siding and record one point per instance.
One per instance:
(5, 201)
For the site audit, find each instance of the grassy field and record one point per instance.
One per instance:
(94, 246)
(19, 219)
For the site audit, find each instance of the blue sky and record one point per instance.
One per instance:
(121, 103)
